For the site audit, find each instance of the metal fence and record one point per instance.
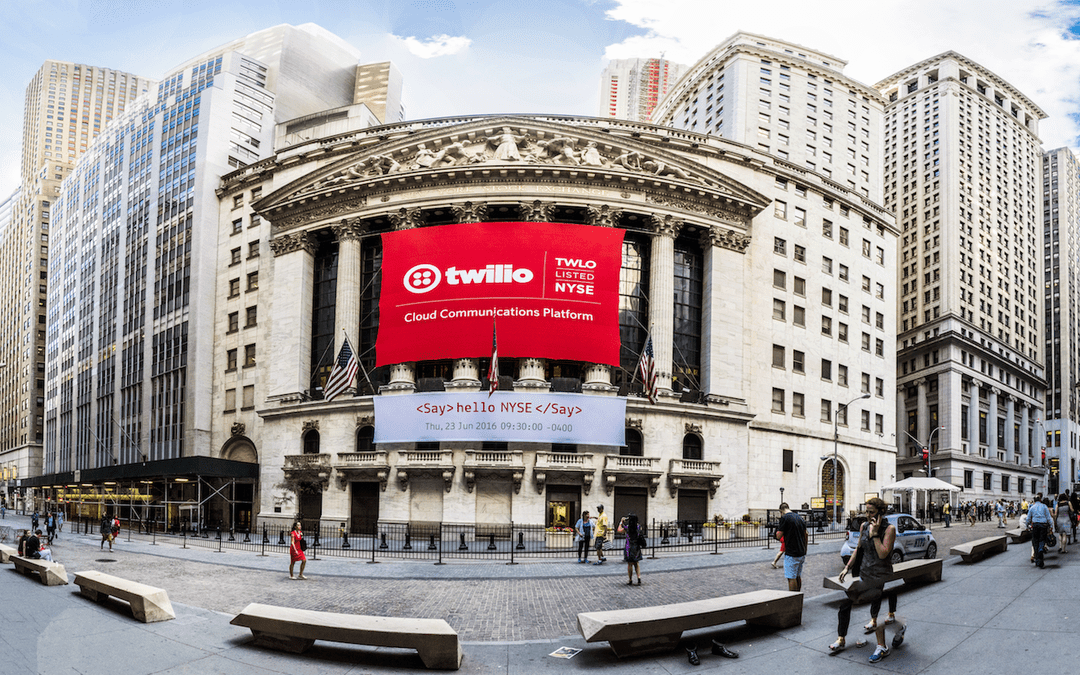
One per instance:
(442, 542)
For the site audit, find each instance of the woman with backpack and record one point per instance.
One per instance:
(635, 541)
(296, 550)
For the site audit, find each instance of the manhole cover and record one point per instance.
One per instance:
(104, 560)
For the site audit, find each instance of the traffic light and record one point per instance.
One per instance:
(926, 460)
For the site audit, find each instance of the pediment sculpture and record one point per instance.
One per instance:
(505, 147)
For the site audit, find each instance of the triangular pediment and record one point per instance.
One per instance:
(490, 146)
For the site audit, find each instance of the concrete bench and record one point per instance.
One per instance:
(295, 630)
(908, 571)
(51, 574)
(6, 552)
(645, 630)
(1019, 536)
(975, 550)
(148, 604)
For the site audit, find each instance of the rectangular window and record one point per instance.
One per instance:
(798, 359)
(1004, 483)
(865, 383)
(778, 400)
(826, 326)
(779, 310)
(879, 347)
(779, 279)
(234, 321)
(826, 265)
(249, 396)
(873, 471)
(800, 217)
(841, 375)
(879, 424)
(230, 400)
(780, 210)
(253, 281)
(237, 225)
(988, 481)
(252, 317)
(789, 460)
(826, 229)
(780, 246)
(253, 249)
(866, 343)
(230, 359)
(969, 479)
(843, 231)
(797, 403)
(841, 331)
(826, 410)
(826, 297)
(865, 420)
(826, 370)
(779, 359)
(843, 274)
(234, 256)
(249, 356)
(879, 387)
(800, 253)
(798, 315)
(234, 287)
(800, 287)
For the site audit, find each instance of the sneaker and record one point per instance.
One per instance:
(837, 647)
(870, 627)
(890, 619)
(879, 653)
(898, 639)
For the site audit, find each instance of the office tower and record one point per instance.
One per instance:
(131, 339)
(67, 105)
(789, 101)
(962, 162)
(378, 85)
(631, 88)
(833, 261)
(1061, 260)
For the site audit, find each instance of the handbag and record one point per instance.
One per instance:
(303, 544)
(856, 564)
(1051, 539)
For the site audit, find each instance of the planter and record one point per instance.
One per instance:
(559, 539)
(722, 533)
(745, 531)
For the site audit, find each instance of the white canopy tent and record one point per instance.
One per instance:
(925, 486)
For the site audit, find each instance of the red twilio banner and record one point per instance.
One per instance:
(553, 289)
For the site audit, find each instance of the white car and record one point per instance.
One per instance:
(912, 539)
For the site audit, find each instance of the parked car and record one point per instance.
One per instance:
(912, 539)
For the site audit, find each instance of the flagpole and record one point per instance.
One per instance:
(360, 363)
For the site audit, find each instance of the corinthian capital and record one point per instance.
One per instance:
(666, 226)
(602, 215)
(298, 241)
(470, 212)
(406, 219)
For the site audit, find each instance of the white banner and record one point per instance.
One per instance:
(504, 416)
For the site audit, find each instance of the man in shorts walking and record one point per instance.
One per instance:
(793, 529)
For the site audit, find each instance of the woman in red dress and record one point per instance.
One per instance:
(294, 551)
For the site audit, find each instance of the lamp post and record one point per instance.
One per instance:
(835, 460)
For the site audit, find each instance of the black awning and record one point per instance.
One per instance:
(206, 467)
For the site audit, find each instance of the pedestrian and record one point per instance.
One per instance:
(635, 541)
(34, 520)
(602, 530)
(3, 511)
(106, 532)
(1039, 521)
(584, 532)
(1063, 521)
(780, 553)
(22, 542)
(792, 529)
(60, 521)
(946, 513)
(50, 526)
(296, 550)
(873, 560)
(999, 510)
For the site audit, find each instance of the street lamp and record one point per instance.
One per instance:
(835, 450)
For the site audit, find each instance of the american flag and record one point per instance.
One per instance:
(493, 370)
(647, 368)
(343, 374)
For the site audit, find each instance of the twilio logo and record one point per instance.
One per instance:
(424, 278)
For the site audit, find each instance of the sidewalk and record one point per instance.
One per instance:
(991, 616)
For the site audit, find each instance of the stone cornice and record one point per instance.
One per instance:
(288, 243)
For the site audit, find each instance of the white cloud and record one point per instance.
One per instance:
(1026, 42)
(436, 45)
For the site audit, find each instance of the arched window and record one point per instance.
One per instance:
(634, 446)
(365, 439)
(311, 443)
(691, 447)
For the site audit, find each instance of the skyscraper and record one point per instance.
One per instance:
(132, 308)
(1061, 257)
(631, 88)
(67, 106)
(962, 163)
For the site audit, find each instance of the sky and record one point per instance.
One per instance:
(461, 57)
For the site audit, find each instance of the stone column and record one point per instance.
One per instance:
(723, 311)
(598, 373)
(901, 421)
(531, 370)
(291, 302)
(991, 425)
(951, 400)
(1010, 422)
(1025, 428)
(347, 303)
(923, 426)
(661, 295)
(467, 371)
(402, 377)
(973, 418)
